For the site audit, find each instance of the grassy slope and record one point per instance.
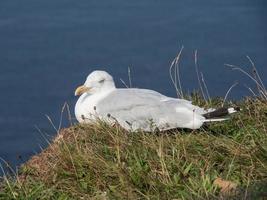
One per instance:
(102, 162)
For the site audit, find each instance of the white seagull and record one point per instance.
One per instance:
(138, 109)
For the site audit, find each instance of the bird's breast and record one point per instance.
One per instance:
(86, 107)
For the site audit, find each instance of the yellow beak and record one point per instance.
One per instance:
(81, 89)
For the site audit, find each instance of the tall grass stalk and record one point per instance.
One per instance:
(174, 72)
(254, 76)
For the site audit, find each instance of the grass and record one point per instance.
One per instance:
(96, 161)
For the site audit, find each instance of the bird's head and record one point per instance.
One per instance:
(97, 81)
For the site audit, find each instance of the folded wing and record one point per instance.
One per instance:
(143, 109)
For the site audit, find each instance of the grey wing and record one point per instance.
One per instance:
(131, 108)
(145, 109)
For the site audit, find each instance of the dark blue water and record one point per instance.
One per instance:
(47, 48)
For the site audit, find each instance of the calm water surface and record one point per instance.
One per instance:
(47, 48)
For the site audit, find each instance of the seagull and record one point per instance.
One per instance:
(138, 109)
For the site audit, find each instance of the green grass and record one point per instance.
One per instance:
(96, 161)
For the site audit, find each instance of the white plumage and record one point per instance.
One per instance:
(134, 109)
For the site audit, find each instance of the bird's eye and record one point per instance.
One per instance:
(101, 81)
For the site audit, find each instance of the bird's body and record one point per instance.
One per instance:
(134, 109)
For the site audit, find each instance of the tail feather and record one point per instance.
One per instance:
(220, 112)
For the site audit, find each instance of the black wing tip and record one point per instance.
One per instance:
(221, 112)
